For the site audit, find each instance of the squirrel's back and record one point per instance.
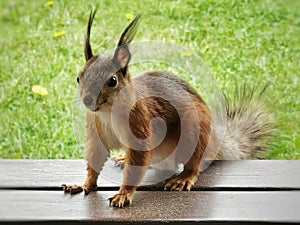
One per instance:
(162, 82)
(248, 127)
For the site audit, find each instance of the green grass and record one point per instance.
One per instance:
(254, 41)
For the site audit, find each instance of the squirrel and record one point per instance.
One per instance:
(121, 110)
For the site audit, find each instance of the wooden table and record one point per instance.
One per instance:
(228, 192)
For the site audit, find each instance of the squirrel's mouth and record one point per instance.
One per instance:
(95, 110)
(101, 103)
(98, 107)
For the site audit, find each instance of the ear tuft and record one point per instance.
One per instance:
(130, 31)
(88, 52)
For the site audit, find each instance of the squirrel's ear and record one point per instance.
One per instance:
(122, 54)
(122, 57)
(88, 52)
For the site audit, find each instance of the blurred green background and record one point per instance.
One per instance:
(41, 43)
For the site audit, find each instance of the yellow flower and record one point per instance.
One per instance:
(50, 3)
(39, 90)
(186, 54)
(129, 16)
(206, 48)
(58, 34)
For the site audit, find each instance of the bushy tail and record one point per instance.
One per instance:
(249, 125)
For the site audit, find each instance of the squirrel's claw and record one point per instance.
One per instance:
(181, 186)
(120, 200)
(74, 189)
(181, 182)
(119, 161)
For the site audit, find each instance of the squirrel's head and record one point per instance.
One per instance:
(103, 77)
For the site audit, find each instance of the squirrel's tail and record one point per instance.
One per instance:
(249, 125)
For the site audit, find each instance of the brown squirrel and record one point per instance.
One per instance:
(120, 110)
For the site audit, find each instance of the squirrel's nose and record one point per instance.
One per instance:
(88, 101)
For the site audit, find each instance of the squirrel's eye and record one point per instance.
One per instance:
(78, 80)
(112, 82)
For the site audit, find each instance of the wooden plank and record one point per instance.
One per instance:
(252, 174)
(41, 173)
(160, 207)
(222, 175)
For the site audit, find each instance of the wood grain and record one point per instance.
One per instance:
(155, 206)
(228, 192)
(221, 175)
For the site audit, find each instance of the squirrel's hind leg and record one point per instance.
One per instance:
(119, 161)
(188, 177)
(185, 180)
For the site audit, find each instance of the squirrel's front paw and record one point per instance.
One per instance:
(74, 189)
(120, 200)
